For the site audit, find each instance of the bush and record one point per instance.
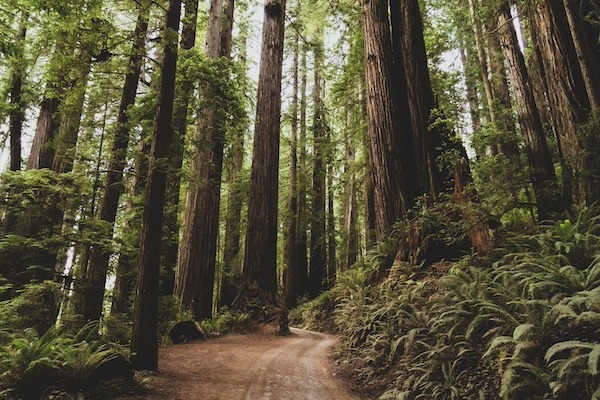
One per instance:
(35, 306)
(31, 364)
(226, 322)
(525, 327)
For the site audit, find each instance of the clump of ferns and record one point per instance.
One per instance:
(575, 238)
(575, 369)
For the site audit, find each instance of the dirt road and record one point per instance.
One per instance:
(249, 367)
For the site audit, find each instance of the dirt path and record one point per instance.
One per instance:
(249, 367)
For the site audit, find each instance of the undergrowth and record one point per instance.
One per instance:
(34, 366)
(524, 327)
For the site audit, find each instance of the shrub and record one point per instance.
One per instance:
(524, 327)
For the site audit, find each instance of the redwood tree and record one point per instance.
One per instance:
(258, 292)
(144, 342)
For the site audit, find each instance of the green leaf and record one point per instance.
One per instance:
(522, 330)
(593, 359)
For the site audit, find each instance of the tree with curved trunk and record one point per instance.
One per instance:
(258, 290)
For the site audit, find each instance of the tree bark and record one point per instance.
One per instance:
(144, 342)
(588, 62)
(258, 291)
(567, 108)
(407, 31)
(541, 167)
(383, 120)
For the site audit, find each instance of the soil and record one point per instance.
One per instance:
(257, 366)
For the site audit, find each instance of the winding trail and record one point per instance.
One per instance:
(249, 367)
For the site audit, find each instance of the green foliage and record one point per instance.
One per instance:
(226, 322)
(30, 364)
(523, 328)
(35, 306)
(34, 204)
(588, 135)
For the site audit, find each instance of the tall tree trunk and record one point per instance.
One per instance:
(588, 61)
(370, 215)
(388, 172)
(301, 252)
(565, 83)
(503, 119)
(42, 154)
(331, 232)
(291, 276)
(17, 113)
(65, 142)
(483, 65)
(408, 41)
(471, 87)
(258, 291)
(318, 241)
(144, 342)
(541, 167)
(197, 263)
(100, 255)
(235, 198)
(350, 216)
(184, 91)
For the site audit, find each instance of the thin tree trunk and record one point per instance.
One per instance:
(318, 241)
(180, 123)
(331, 232)
(350, 216)
(503, 118)
(541, 167)
(302, 249)
(483, 65)
(99, 258)
(471, 87)
(235, 198)
(291, 276)
(144, 342)
(17, 113)
(258, 292)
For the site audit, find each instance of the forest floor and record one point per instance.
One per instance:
(256, 366)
